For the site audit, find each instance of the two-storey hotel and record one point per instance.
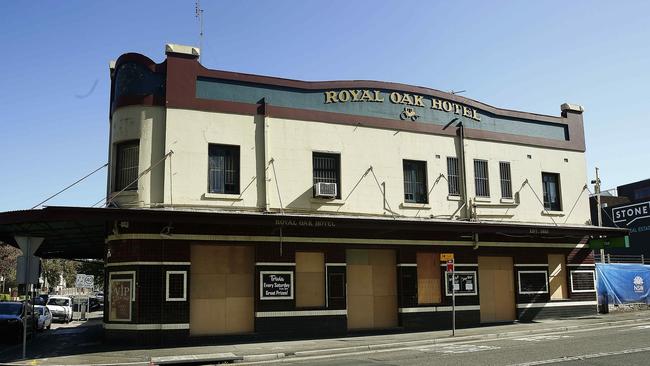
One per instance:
(250, 205)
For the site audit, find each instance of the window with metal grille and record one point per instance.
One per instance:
(551, 187)
(415, 181)
(533, 282)
(583, 281)
(506, 180)
(126, 168)
(453, 176)
(327, 169)
(481, 180)
(223, 169)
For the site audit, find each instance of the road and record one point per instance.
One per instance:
(62, 339)
(619, 345)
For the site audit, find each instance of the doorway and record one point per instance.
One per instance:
(372, 289)
(496, 289)
(221, 289)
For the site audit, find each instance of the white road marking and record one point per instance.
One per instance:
(583, 357)
(405, 346)
(542, 338)
(460, 348)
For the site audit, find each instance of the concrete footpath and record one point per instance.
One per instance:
(268, 351)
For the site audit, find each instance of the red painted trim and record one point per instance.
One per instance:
(182, 73)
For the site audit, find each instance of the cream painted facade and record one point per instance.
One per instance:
(276, 167)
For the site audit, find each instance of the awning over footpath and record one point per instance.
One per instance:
(77, 232)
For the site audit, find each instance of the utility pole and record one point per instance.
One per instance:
(596, 183)
(199, 15)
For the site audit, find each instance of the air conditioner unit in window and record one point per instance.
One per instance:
(325, 190)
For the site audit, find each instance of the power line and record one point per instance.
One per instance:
(70, 186)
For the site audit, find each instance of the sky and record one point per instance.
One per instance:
(522, 55)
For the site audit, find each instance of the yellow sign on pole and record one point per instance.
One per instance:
(444, 257)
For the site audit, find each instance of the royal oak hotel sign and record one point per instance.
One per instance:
(407, 99)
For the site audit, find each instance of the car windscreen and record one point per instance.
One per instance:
(58, 302)
(10, 309)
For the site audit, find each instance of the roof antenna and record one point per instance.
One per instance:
(199, 15)
(456, 92)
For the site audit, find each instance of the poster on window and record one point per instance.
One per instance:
(120, 299)
(464, 285)
(276, 285)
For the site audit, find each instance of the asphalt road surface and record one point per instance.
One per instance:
(617, 345)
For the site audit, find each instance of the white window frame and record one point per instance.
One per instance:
(532, 292)
(593, 274)
(184, 298)
(292, 294)
(448, 293)
(132, 281)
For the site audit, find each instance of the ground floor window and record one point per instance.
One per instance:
(464, 283)
(120, 295)
(583, 281)
(533, 282)
(176, 286)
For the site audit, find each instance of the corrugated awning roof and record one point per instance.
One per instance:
(78, 232)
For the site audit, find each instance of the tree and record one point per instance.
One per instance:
(54, 268)
(8, 257)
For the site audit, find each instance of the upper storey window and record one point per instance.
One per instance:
(327, 169)
(126, 169)
(415, 181)
(506, 179)
(223, 169)
(134, 79)
(551, 186)
(481, 180)
(453, 176)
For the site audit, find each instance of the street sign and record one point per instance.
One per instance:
(620, 242)
(27, 269)
(450, 266)
(445, 257)
(85, 281)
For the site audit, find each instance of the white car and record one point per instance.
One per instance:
(44, 317)
(61, 307)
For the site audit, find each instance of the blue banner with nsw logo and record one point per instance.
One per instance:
(624, 283)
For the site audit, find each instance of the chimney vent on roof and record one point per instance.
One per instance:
(182, 49)
(568, 107)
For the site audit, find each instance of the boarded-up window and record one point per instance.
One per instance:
(582, 281)
(428, 278)
(533, 282)
(310, 279)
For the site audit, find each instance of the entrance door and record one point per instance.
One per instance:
(497, 289)
(557, 276)
(221, 289)
(372, 289)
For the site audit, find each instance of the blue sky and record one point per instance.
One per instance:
(524, 55)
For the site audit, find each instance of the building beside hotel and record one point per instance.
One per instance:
(250, 205)
(630, 209)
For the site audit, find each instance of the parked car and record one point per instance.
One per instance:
(44, 317)
(11, 319)
(94, 304)
(60, 307)
(41, 299)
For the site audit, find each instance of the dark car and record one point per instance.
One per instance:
(11, 320)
